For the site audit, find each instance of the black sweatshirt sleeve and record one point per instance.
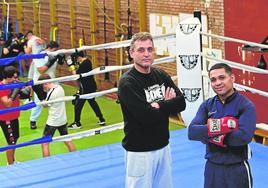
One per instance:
(176, 104)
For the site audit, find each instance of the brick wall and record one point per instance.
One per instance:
(82, 24)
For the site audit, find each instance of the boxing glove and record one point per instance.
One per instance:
(51, 60)
(218, 140)
(25, 93)
(61, 59)
(13, 45)
(221, 126)
(72, 64)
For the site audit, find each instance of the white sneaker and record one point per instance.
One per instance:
(75, 125)
(101, 123)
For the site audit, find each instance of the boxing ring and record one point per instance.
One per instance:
(104, 166)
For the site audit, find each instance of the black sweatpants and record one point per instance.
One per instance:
(79, 106)
(228, 176)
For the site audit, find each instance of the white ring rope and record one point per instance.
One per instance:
(87, 133)
(101, 70)
(126, 43)
(262, 126)
(235, 40)
(236, 65)
(91, 131)
(252, 90)
(110, 45)
(84, 96)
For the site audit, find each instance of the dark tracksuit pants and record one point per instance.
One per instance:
(79, 106)
(228, 176)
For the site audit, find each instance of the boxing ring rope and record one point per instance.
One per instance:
(223, 38)
(98, 70)
(104, 69)
(78, 135)
(252, 90)
(63, 99)
(84, 96)
(126, 43)
(68, 137)
(90, 132)
(8, 60)
(75, 135)
(121, 44)
(110, 45)
(237, 65)
(240, 66)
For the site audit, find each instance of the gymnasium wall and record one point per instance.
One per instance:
(82, 23)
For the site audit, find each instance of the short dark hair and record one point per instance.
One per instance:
(80, 54)
(224, 66)
(77, 54)
(53, 44)
(9, 71)
(29, 32)
(44, 77)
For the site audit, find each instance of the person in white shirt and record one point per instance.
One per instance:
(34, 44)
(38, 67)
(57, 118)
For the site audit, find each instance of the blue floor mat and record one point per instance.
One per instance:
(103, 167)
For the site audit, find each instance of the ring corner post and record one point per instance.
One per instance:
(189, 65)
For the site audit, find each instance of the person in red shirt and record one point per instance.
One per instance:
(9, 121)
